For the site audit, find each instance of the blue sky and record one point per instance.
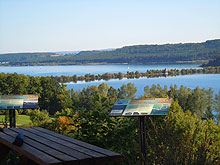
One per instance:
(71, 25)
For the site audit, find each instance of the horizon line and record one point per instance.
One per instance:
(105, 49)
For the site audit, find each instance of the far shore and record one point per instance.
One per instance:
(105, 63)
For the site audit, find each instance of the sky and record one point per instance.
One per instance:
(75, 25)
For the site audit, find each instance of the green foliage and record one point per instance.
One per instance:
(127, 91)
(217, 107)
(152, 53)
(136, 74)
(37, 116)
(182, 137)
(116, 134)
(214, 61)
(52, 96)
(198, 101)
(6, 119)
(155, 91)
(93, 125)
(20, 120)
(65, 112)
(16, 57)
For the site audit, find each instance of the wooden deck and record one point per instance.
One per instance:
(46, 147)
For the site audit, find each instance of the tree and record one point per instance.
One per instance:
(183, 95)
(182, 138)
(173, 92)
(155, 91)
(127, 91)
(37, 116)
(54, 97)
(197, 102)
(217, 107)
(209, 109)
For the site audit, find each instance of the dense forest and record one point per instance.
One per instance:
(32, 58)
(138, 54)
(214, 61)
(17, 57)
(154, 53)
(189, 134)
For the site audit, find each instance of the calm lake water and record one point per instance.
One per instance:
(79, 70)
(191, 81)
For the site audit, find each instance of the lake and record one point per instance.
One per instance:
(191, 81)
(79, 70)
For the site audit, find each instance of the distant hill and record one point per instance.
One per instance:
(137, 54)
(214, 61)
(154, 53)
(18, 57)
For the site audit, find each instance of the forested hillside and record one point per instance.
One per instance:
(138, 54)
(17, 57)
(154, 53)
(214, 61)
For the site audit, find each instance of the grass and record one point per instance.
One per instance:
(20, 120)
(23, 119)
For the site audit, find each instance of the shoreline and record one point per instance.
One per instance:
(105, 63)
(137, 74)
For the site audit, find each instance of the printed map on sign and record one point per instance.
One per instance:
(18, 101)
(141, 107)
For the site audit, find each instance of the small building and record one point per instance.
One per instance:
(165, 71)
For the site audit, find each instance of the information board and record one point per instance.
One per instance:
(18, 101)
(141, 107)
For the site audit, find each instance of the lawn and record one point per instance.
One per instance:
(21, 119)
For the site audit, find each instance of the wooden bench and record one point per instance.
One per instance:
(46, 147)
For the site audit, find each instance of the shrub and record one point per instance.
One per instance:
(37, 117)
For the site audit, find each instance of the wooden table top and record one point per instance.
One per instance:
(47, 147)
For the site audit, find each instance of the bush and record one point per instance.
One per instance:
(37, 117)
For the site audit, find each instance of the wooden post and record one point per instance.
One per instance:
(142, 139)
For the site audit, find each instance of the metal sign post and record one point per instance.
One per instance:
(141, 108)
(12, 118)
(142, 139)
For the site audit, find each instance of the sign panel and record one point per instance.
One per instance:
(141, 107)
(18, 101)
